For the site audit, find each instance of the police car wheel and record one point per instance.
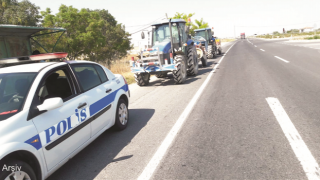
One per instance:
(122, 115)
(16, 170)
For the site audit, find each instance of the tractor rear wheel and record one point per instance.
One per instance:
(162, 75)
(209, 55)
(180, 75)
(193, 64)
(142, 79)
(204, 61)
(214, 51)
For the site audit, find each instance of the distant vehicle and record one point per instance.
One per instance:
(49, 111)
(211, 46)
(242, 35)
(201, 45)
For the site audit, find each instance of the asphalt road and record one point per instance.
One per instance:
(230, 133)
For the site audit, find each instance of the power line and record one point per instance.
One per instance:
(136, 31)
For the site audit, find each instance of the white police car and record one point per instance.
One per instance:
(49, 111)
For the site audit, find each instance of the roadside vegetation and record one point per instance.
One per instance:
(123, 67)
(228, 40)
(294, 34)
(314, 37)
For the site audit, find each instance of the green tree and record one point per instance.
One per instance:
(275, 33)
(198, 25)
(4, 5)
(184, 16)
(19, 13)
(293, 31)
(93, 34)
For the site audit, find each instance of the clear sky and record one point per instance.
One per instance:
(228, 17)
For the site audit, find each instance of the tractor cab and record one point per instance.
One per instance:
(206, 33)
(161, 35)
(210, 45)
(23, 43)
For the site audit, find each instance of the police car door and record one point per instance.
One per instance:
(64, 129)
(98, 90)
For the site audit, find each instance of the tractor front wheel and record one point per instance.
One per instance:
(142, 79)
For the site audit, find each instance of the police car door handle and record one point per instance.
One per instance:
(82, 105)
(108, 90)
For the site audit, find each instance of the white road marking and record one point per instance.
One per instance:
(255, 46)
(155, 161)
(281, 59)
(309, 164)
(262, 50)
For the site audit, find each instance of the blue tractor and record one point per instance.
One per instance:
(172, 51)
(210, 45)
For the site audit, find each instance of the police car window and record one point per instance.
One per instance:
(101, 73)
(56, 84)
(86, 75)
(14, 88)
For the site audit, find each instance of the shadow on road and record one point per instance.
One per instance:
(100, 153)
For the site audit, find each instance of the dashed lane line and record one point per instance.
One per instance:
(281, 59)
(309, 164)
(262, 50)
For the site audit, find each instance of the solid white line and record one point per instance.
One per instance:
(155, 161)
(281, 59)
(262, 50)
(309, 164)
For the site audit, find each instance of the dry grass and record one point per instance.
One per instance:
(227, 40)
(123, 67)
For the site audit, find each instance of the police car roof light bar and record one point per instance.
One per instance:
(38, 57)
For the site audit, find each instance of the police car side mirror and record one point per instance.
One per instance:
(50, 104)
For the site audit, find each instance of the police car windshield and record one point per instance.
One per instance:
(14, 88)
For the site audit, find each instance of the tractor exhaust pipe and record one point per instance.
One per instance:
(171, 37)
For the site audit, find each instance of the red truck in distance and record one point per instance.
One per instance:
(243, 35)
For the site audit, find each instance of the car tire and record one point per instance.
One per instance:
(122, 115)
(26, 170)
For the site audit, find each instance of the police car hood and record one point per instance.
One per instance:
(16, 128)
